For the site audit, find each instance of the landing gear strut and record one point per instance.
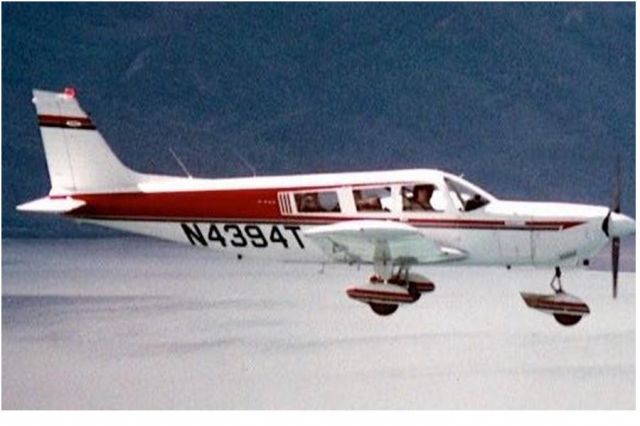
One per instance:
(556, 284)
(402, 278)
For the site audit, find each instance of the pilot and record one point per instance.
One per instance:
(474, 203)
(421, 199)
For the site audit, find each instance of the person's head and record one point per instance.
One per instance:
(309, 199)
(423, 192)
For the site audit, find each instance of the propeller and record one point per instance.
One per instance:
(615, 240)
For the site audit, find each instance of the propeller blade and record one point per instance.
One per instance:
(615, 260)
(615, 241)
(615, 199)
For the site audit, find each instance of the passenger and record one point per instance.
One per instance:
(310, 203)
(357, 196)
(421, 199)
(371, 203)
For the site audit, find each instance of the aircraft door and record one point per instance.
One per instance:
(515, 242)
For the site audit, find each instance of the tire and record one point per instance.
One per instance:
(567, 320)
(383, 309)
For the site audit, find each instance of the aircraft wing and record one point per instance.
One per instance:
(371, 241)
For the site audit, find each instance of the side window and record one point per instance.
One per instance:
(372, 199)
(423, 198)
(318, 202)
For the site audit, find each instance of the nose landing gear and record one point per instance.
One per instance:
(566, 308)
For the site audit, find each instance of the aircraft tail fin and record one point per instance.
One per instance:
(78, 158)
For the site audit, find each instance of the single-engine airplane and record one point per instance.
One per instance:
(392, 220)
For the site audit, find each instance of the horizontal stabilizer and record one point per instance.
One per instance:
(51, 205)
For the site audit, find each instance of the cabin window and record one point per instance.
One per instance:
(423, 198)
(372, 199)
(317, 202)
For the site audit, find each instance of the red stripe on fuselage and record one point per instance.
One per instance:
(254, 206)
(193, 205)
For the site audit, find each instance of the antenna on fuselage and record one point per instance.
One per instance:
(181, 164)
(245, 162)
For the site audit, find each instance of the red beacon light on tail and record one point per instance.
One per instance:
(70, 92)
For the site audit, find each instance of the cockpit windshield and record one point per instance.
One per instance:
(464, 197)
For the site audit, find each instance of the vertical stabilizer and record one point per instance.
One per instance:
(78, 157)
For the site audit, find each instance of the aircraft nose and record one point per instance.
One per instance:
(621, 225)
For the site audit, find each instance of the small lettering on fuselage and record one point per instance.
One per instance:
(230, 235)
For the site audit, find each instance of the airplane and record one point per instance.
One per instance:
(392, 220)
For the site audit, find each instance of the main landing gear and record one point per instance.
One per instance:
(566, 308)
(384, 296)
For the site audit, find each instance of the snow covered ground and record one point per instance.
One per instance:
(136, 323)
